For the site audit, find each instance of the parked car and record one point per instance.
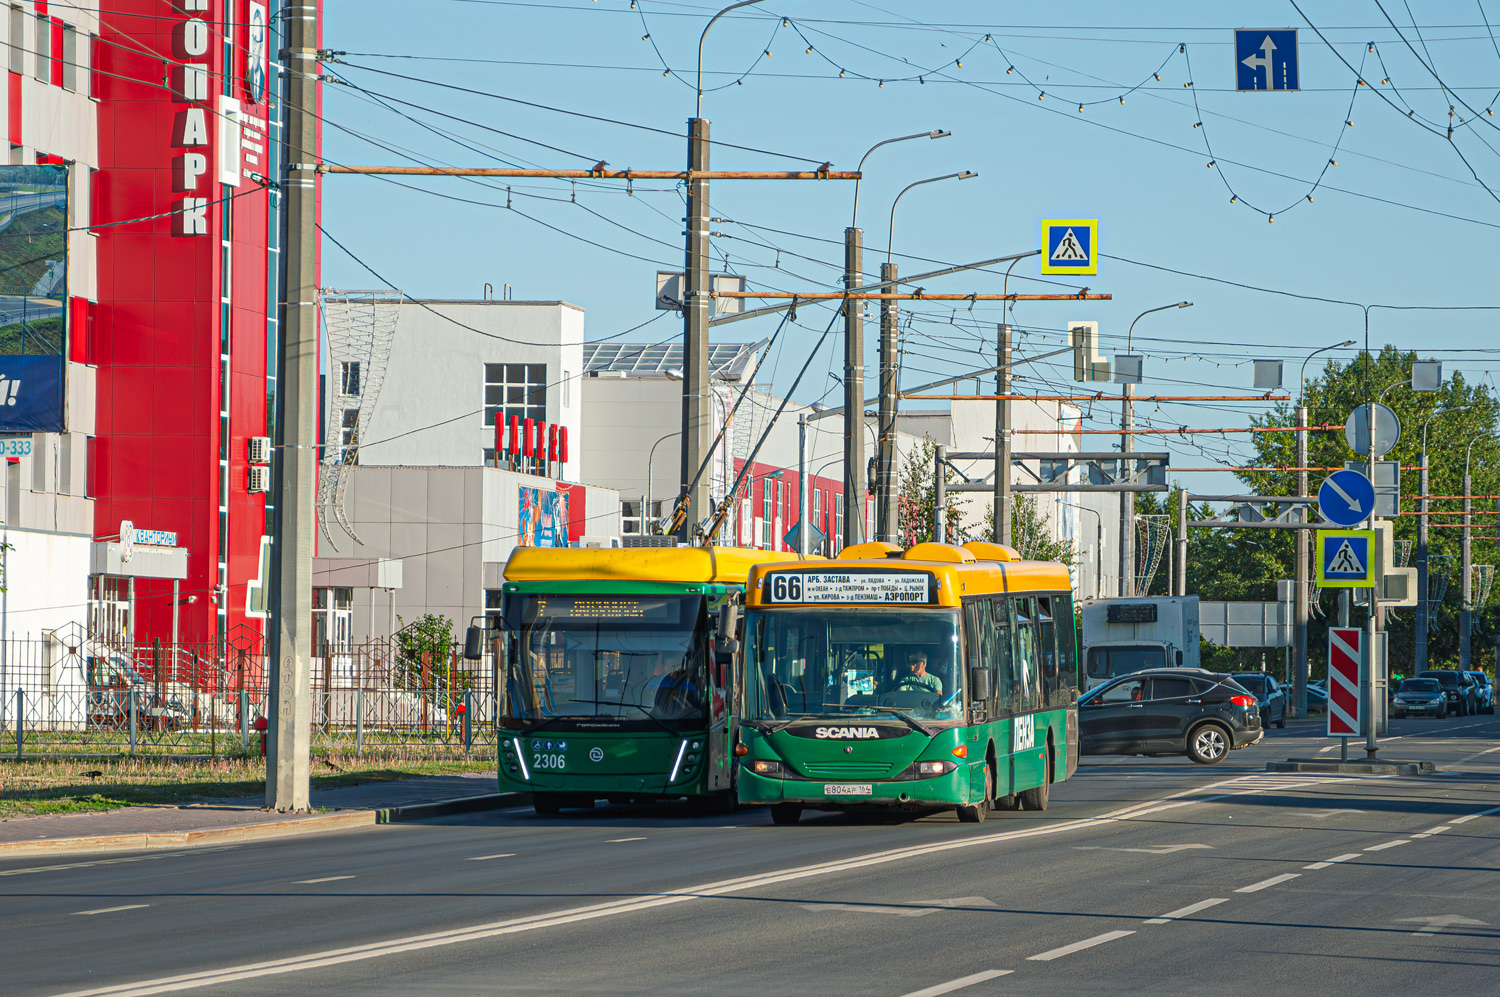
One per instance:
(1458, 689)
(1484, 692)
(1317, 696)
(1169, 711)
(1269, 694)
(1419, 696)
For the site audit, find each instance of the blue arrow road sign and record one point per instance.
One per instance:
(1346, 498)
(1265, 60)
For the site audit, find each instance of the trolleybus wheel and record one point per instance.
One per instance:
(975, 813)
(546, 804)
(785, 813)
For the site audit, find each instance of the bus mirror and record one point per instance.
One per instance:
(474, 643)
(729, 622)
(1179, 659)
(979, 684)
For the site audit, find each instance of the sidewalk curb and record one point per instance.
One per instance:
(1351, 767)
(154, 840)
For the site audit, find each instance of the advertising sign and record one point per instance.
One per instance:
(543, 519)
(33, 298)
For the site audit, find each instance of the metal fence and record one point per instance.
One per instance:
(71, 693)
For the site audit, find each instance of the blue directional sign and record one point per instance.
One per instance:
(1265, 59)
(1346, 498)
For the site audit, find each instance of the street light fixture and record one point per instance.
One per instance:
(1127, 427)
(711, 20)
(934, 133)
(1098, 545)
(891, 233)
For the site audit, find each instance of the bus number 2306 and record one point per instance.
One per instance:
(549, 761)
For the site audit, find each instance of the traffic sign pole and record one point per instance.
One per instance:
(1367, 673)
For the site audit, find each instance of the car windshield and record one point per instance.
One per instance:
(806, 663)
(1420, 685)
(1107, 662)
(1255, 683)
(629, 657)
(1448, 680)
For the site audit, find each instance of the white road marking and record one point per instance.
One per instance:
(1329, 813)
(325, 879)
(1087, 943)
(872, 909)
(1468, 817)
(1328, 862)
(1477, 754)
(109, 910)
(1388, 844)
(1151, 850)
(1189, 909)
(61, 867)
(486, 858)
(1433, 830)
(1267, 883)
(613, 841)
(960, 983)
(494, 929)
(1436, 924)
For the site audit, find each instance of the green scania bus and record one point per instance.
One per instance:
(940, 677)
(619, 673)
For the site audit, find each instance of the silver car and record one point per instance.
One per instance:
(1416, 697)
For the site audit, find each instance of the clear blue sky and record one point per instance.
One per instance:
(1400, 219)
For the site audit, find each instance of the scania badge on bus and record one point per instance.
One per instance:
(814, 587)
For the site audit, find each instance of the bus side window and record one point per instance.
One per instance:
(1067, 644)
(1046, 633)
(1003, 680)
(1028, 694)
(981, 639)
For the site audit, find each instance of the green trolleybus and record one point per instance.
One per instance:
(619, 673)
(942, 677)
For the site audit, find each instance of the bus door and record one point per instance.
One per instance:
(1028, 741)
(724, 661)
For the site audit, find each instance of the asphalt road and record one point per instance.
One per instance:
(1146, 876)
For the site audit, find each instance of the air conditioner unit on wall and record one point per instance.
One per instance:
(259, 480)
(260, 450)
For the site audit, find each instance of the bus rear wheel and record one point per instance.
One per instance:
(785, 813)
(1037, 799)
(975, 813)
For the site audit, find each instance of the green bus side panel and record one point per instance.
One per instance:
(611, 763)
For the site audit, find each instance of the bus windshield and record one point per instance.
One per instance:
(805, 663)
(636, 659)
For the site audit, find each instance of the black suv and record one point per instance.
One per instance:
(1458, 689)
(1169, 711)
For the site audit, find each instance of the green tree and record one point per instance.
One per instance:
(1029, 532)
(916, 499)
(430, 634)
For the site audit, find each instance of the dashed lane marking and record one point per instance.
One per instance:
(486, 858)
(1328, 862)
(1268, 883)
(960, 983)
(325, 879)
(1087, 943)
(1388, 844)
(1433, 830)
(1189, 909)
(1468, 817)
(109, 910)
(615, 841)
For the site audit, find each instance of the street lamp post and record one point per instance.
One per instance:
(1127, 499)
(854, 356)
(885, 494)
(1465, 614)
(1423, 620)
(1300, 584)
(646, 499)
(1098, 545)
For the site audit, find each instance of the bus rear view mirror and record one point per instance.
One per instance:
(979, 684)
(1179, 659)
(729, 624)
(474, 643)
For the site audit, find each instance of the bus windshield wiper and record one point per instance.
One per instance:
(900, 712)
(614, 702)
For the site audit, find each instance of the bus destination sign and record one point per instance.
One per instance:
(900, 588)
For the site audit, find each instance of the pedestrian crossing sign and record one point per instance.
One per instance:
(1344, 558)
(1070, 245)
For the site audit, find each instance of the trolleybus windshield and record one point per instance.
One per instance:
(807, 663)
(633, 660)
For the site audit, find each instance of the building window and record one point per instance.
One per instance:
(17, 40)
(349, 381)
(838, 525)
(43, 69)
(518, 389)
(493, 619)
(333, 618)
(567, 389)
(630, 517)
(349, 435)
(71, 56)
(765, 514)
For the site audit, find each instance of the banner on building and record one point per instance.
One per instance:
(33, 298)
(544, 518)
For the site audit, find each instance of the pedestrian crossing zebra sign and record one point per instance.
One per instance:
(1070, 245)
(1344, 558)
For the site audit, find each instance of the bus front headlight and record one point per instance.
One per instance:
(762, 766)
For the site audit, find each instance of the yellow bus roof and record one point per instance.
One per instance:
(973, 569)
(724, 565)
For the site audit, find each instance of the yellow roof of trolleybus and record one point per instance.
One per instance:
(882, 574)
(722, 565)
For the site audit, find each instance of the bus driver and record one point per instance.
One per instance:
(913, 677)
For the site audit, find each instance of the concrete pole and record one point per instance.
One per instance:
(804, 523)
(939, 496)
(1372, 623)
(1002, 437)
(1466, 568)
(1419, 655)
(854, 392)
(697, 308)
(1180, 585)
(1127, 499)
(290, 716)
(886, 525)
(1300, 594)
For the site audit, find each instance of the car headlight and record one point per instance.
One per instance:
(762, 766)
(1398, 701)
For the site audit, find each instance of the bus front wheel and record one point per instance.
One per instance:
(975, 813)
(785, 813)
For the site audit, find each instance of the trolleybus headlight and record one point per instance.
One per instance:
(762, 766)
(935, 768)
(692, 759)
(696, 745)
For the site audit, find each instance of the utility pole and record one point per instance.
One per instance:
(1465, 617)
(1180, 566)
(1002, 436)
(697, 306)
(804, 512)
(886, 526)
(940, 495)
(1419, 654)
(1300, 601)
(289, 739)
(1127, 499)
(854, 392)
